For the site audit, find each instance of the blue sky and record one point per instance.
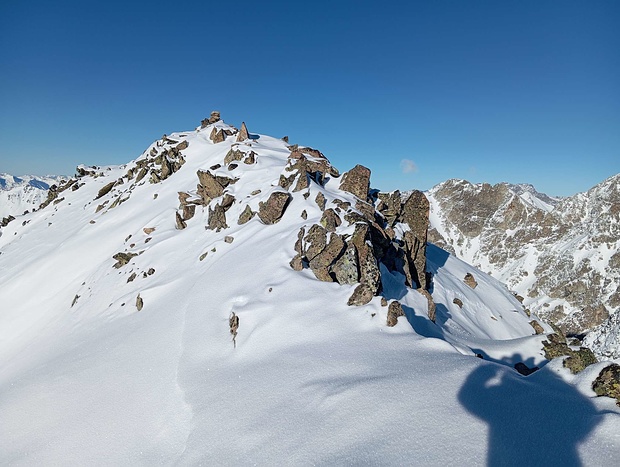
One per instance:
(418, 91)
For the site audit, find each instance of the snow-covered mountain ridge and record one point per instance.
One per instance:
(562, 255)
(191, 307)
(24, 193)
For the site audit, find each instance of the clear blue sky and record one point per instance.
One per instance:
(418, 91)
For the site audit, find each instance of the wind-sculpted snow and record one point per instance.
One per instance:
(86, 378)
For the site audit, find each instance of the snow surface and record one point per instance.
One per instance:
(24, 193)
(311, 381)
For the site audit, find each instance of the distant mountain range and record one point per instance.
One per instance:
(24, 193)
(561, 254)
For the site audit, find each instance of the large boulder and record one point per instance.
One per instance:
(607, 383)
(272, 210)
(357, 181)
(243, 133)
(415, 213)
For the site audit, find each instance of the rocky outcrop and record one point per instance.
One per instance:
(607, 383)
(395, 310)
(415, 213)
(243, 133)
(122, 259)
(215, 117)
(272, 210)
(357, 182)
(575, 360)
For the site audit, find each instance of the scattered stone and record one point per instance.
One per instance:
(357, 182)
(470, 281)
(203, 256)
(286, 182)
(285, 139)
(246, 215)
(384, 301)
(250, 159)
(255, 192)
(607, 383)
(217, 218)
(148, 239)
(271, 211)
(148, 230)
(92, 222)
(233, 324)
(320, 201)
(361, 295)
(395, 310)
(537, 327)
(122, 259)
(182, 145)
(180, 223)
(458, 301)
(75, 299)
(139, 303)
(150, 272)
(131, 277)
(105, 190)
(304, 215)
(233, 155)
(228, 239)
(330, 220)
(218, 135)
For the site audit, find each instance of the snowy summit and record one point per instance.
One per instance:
(230, 299)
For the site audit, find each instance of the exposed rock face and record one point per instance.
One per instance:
(575, 360)
(415, 213)
(357, 181)
(105, 190)
(585, 289)
(272, 210)
(607, 383)
(246, 215)
(217, 218)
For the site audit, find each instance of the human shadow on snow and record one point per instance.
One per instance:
(538, 420)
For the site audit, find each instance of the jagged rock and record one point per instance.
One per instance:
(246, 215)
(330, 220)
(458, 302)
(395, 310)
(389, 206)
(215, 117)
(537, 327)
(141, 174)
(180, 222)
(578, 360)
(105, 190)
(346, 268)
(607, 383)
(368, 267)
(361, 295)
(227, 201)
(182, 145)
(320, 201)
(470, 281)
(188, 211)
(122, 259)
(272, 210)
(286, 182)
(139, 303)
(217, 218)
(233, 155)
(208, 188)
(384, 301)
(431, 304)
(415, 213)
(304, 215)
(218, 135)
(321, 263)
(317, 239)
(243, 133)
(132, 277)
(250, 158)
(150, 272)
(357, 182)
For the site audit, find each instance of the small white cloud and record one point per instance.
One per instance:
(408, 166)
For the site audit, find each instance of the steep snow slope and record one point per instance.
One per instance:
(25, 193)
(561, 255)
(86, 378)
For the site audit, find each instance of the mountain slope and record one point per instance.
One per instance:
(131, 360)
(560, 256)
